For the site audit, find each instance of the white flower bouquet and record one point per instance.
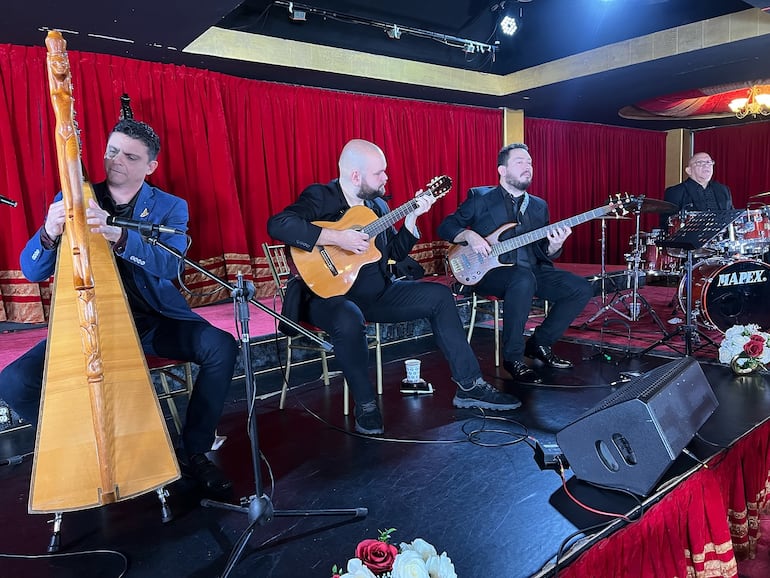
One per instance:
(380, 559)
(745, 346)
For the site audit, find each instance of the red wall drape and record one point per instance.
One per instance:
(578, 166)
(237, 150)
(741, 154)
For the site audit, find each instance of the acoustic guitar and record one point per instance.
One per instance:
(330, 270)
(470, 267)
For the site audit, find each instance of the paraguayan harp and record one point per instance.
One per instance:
(101, 435)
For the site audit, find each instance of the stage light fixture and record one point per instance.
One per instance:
(393, 32)
(508, 25)
(298, 12)
(295, 14)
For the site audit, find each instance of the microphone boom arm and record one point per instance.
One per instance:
(224, 284)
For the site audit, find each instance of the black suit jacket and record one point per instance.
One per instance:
(690, 196)
(485, 211)
(294, 226)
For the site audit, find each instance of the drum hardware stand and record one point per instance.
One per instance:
(258, 507)
(637, 301)
(696, 232)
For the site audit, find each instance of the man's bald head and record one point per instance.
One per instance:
(356, 153)
(362, 169)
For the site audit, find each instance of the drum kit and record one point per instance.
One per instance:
(730, 281)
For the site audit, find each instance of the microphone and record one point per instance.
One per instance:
(143, 227)
(7, 201)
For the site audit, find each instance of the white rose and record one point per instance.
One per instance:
(356, 569)
(440, 567)
(423, 548)
(409, 564)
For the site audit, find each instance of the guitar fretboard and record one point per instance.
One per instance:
(389, 219)
(532, 236)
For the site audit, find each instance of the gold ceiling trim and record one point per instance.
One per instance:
(257, 48)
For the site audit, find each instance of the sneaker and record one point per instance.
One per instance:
(208, 476)
(368, 419)
(482, 395)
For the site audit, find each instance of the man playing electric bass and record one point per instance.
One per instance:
(530, 269)
(310, 225)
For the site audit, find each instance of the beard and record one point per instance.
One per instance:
(368, 193)
(520, 184)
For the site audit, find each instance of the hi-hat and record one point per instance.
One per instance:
(653, 206)
(767, 194)
(612, 217)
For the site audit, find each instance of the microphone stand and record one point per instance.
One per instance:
(258, 507)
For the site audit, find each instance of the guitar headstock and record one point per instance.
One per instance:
(439, 186)
(619, 204)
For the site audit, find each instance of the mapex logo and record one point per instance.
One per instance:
(742, 278)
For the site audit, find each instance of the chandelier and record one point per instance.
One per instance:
(755, 103)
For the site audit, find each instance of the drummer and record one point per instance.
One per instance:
(698, 192)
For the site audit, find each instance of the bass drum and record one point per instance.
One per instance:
(728, 293)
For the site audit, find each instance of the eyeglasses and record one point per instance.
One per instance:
(703, 163)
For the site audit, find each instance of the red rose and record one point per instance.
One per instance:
(756, 337)
(754, 347)
(376, 555)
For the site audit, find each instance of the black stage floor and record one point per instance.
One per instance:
(487, 504)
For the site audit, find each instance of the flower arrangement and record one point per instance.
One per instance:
(745, 348)
(381, 559)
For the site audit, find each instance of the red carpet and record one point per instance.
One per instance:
(615, 327)
(15, 343)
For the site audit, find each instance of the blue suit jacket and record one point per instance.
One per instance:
(152, 267)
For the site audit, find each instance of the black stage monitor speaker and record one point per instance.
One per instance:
(631, 438)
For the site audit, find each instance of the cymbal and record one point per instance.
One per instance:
(653, 206)
(767, 194)
(613, 217)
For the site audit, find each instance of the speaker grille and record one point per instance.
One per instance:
(645, 386)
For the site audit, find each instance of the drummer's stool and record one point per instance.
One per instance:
(175, 380)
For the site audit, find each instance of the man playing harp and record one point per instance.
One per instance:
(164, 321)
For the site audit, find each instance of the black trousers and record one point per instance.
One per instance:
(567, 294)
(344, 319)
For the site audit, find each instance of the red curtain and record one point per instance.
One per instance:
(577, 167)
(740, 153)
(237, 150)
(290, 137)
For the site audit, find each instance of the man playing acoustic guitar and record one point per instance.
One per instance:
(486, 210)
(315, 223)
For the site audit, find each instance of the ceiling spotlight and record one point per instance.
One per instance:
(393, 32)
(508, 25)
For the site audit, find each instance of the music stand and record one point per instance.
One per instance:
(698, 230)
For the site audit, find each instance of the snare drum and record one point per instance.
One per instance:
(728, 293)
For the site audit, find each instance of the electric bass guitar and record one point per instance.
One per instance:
(330, 270)
(470, 267)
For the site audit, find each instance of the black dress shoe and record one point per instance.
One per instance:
(208, 476)
(521, 372)
(546, 355)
